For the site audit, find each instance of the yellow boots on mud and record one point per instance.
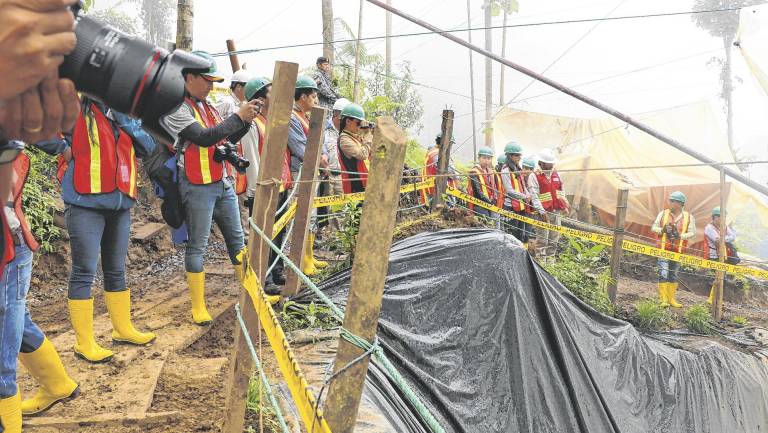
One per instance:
(196, 284)
(119, 307)
(310, 263)
(10, 414)
(45, 366)
(667, 292)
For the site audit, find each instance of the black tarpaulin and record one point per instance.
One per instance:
(492, 343)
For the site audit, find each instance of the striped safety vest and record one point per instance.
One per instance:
(551, 193)
(303, 120)
(103, 155)
(350, 182)
(682, 227)
(199, 165)
(428, 172)
(516, 178)
(487, 185)
(261, 127)
(21, 167)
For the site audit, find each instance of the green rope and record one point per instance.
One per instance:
(394, 375)
(257, 363)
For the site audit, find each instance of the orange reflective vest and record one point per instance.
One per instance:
(428, 172)
(488, 185)
(303, 120)
(678, 245)
(499, 189)
(21, 167)
(199, 165)
(261, 127)
(551, 192)
(518, 185)
(354, 172)
(103, 155)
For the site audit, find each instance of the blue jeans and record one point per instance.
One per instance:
(18, 332)
(204, 204)
(94, 232)
(668, 271)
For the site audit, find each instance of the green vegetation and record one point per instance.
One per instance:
(650, 315)
(295, 316)
(583, 268)
(739, 320)
(344, 239)
(39, 201)
(258, 403)
(698, 319)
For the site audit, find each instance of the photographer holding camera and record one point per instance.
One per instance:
(202, 138)
(354, 148)
(673, 227)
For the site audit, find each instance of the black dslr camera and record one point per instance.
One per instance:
(127, 73)
(671, 231)
(228, 152)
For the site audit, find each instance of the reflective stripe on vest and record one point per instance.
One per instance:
(664, 243)
(517, 186)
(354, 172)
(547, 187)
(303, 120)
(102, 162)
(429, 171)
(485, 179)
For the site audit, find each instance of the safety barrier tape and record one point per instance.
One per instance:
(333, 200)
(626, 245)
(305, 401)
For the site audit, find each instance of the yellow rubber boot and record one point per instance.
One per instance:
(196, 283)
(10, 414)
(319, 264)
(239, 268)
(81, 314)
(663, 294)
(308, 265)
(119, 307)
(274, 299)
(45, 366)
(711, 298)
(671, 291)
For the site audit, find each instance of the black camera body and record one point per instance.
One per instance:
(671, 231)
(127, 73)
(228, 152)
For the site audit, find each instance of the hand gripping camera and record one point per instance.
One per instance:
(228, 152)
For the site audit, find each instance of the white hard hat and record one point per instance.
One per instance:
(547, 156)
(340, 104)
(240, 76)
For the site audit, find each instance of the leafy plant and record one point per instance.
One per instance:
(582, 268)
(258, 403)
(698, 319)
(650, 315)
(295, 316)
(344, 239)
(39, 200)
(739, 320)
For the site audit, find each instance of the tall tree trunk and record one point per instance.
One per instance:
(184, 25)
(356, 88)
(388, 52)
(501, 66)
(328, 34)
(728, 95)
(488, 79)
(472, 82)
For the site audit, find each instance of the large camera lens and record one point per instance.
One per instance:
(128, 74)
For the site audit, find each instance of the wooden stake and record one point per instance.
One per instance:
(717, 305)
(233, 60)
(443, 159)
(356, 83)
(185, 24)
(472, 85)
(369, 272)
(305, 194)
(264, 206)
(618, 238)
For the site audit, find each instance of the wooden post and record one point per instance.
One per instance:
(356, 83)
(233, 60)
(443, 159)
(618, 238)
(369, 272)
(717, 305)
(265, 204)
(472, 85)
(327, 15)
(305, 194)
(185, 24)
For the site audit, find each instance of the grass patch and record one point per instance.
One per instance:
(698, 319)
(739, 320)
(258, 404)
(650, 315)
(295, 316)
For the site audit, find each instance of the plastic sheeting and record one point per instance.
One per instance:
(751, 37)
(492, 343)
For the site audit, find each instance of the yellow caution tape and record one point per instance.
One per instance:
(626, 245)
(284, 219)
(305, 401)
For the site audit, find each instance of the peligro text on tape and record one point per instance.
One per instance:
(289, 367)
(626, 245)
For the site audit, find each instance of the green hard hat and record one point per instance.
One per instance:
(716, 211)
(355, 111)
(253, 86)
(513, 147)
(212, 73)
(502, 159)
(304, 82)
(678, 196)
(529, 162)
(485, 151)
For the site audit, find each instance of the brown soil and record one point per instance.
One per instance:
(447, 218)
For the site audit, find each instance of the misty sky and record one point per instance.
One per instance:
(674, 54)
